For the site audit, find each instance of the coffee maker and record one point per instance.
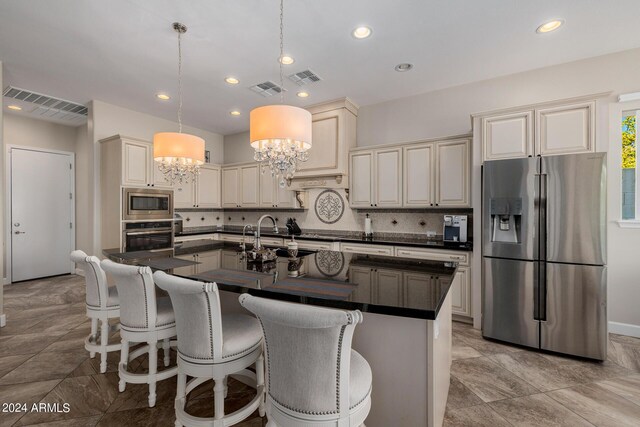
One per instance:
(455, 228)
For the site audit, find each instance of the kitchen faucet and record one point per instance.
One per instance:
(258, 245)
(243, 246)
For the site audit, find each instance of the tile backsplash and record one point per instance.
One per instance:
(414, 221)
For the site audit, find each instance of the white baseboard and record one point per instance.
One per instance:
(79, 272)
(624, 329)
(3, 321)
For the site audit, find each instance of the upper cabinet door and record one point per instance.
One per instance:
(268, 185)
(250, 186)
(452, 178)
(158, 178)
(507, 136)
(184, 196)
(285, 197)
(361, 177)
(418, 176)
(135, 164)
(208, 188)
(388, 178)
(230, 184)
(323, 154)
(566, 129)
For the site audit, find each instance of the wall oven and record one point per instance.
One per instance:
(146, 204)
(154, 236)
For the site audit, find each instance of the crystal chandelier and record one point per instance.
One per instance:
(280, 134)
(179, 155)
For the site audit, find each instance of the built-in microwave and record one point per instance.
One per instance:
(146, 203)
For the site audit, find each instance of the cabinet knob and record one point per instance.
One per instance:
(431, 204)
(437, 204)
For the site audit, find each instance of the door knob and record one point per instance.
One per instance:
(17, 224)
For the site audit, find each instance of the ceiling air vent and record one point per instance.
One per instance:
(267, 89)
(304, 77)
(47, 107)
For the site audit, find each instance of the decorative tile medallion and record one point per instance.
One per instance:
(329, 263)
(329, 206)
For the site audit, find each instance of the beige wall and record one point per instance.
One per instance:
(446, 112)
(237, 148)
(106, 120)
(26, 131)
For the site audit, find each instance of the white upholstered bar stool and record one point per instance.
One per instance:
(143, 319)
(102, 305)
(314, 379)
(213, 346)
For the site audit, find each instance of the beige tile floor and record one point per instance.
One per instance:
(42, 359)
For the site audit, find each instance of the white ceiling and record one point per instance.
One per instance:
(124, 51)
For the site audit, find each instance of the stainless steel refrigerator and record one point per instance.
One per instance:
(544, 253)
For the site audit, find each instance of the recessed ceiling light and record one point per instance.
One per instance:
(303, 94)
(234, 112)
(361, 32)
(287, 60)
(14, 107)
(405, 66)
(163, 96)
(547, 27)
(232, 80)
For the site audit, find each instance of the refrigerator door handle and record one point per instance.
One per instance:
(542, 218)
(536, 291)
(542, 296)
(540, 291)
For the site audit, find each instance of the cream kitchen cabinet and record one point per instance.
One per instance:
(241, 186)
(452, 174)
(427, 174)
(376, 178)
(566, 129)
(204, 192)
(508, 135)
(418, 175)
(562, 127)
(207, 188)
(271, 194)
(333, 131)
(230, 183)
(461, 286)
(132, 160)
(361, 178)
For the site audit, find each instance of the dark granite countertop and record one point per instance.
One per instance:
(414, 240)
(324, 278)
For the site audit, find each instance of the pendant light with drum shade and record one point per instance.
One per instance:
(178, 154)
(280, 134)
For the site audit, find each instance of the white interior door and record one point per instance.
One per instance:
(42, 234)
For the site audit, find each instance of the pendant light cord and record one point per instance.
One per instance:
(281, 50)
(180, 81)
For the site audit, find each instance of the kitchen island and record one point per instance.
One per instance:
(406, 306)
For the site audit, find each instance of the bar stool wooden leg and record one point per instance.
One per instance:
(153, 370)
(124, 361)
(94, 336)
(218, 397)
(260, 383)
(104, 341)
(181, 394)
(166, 351)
